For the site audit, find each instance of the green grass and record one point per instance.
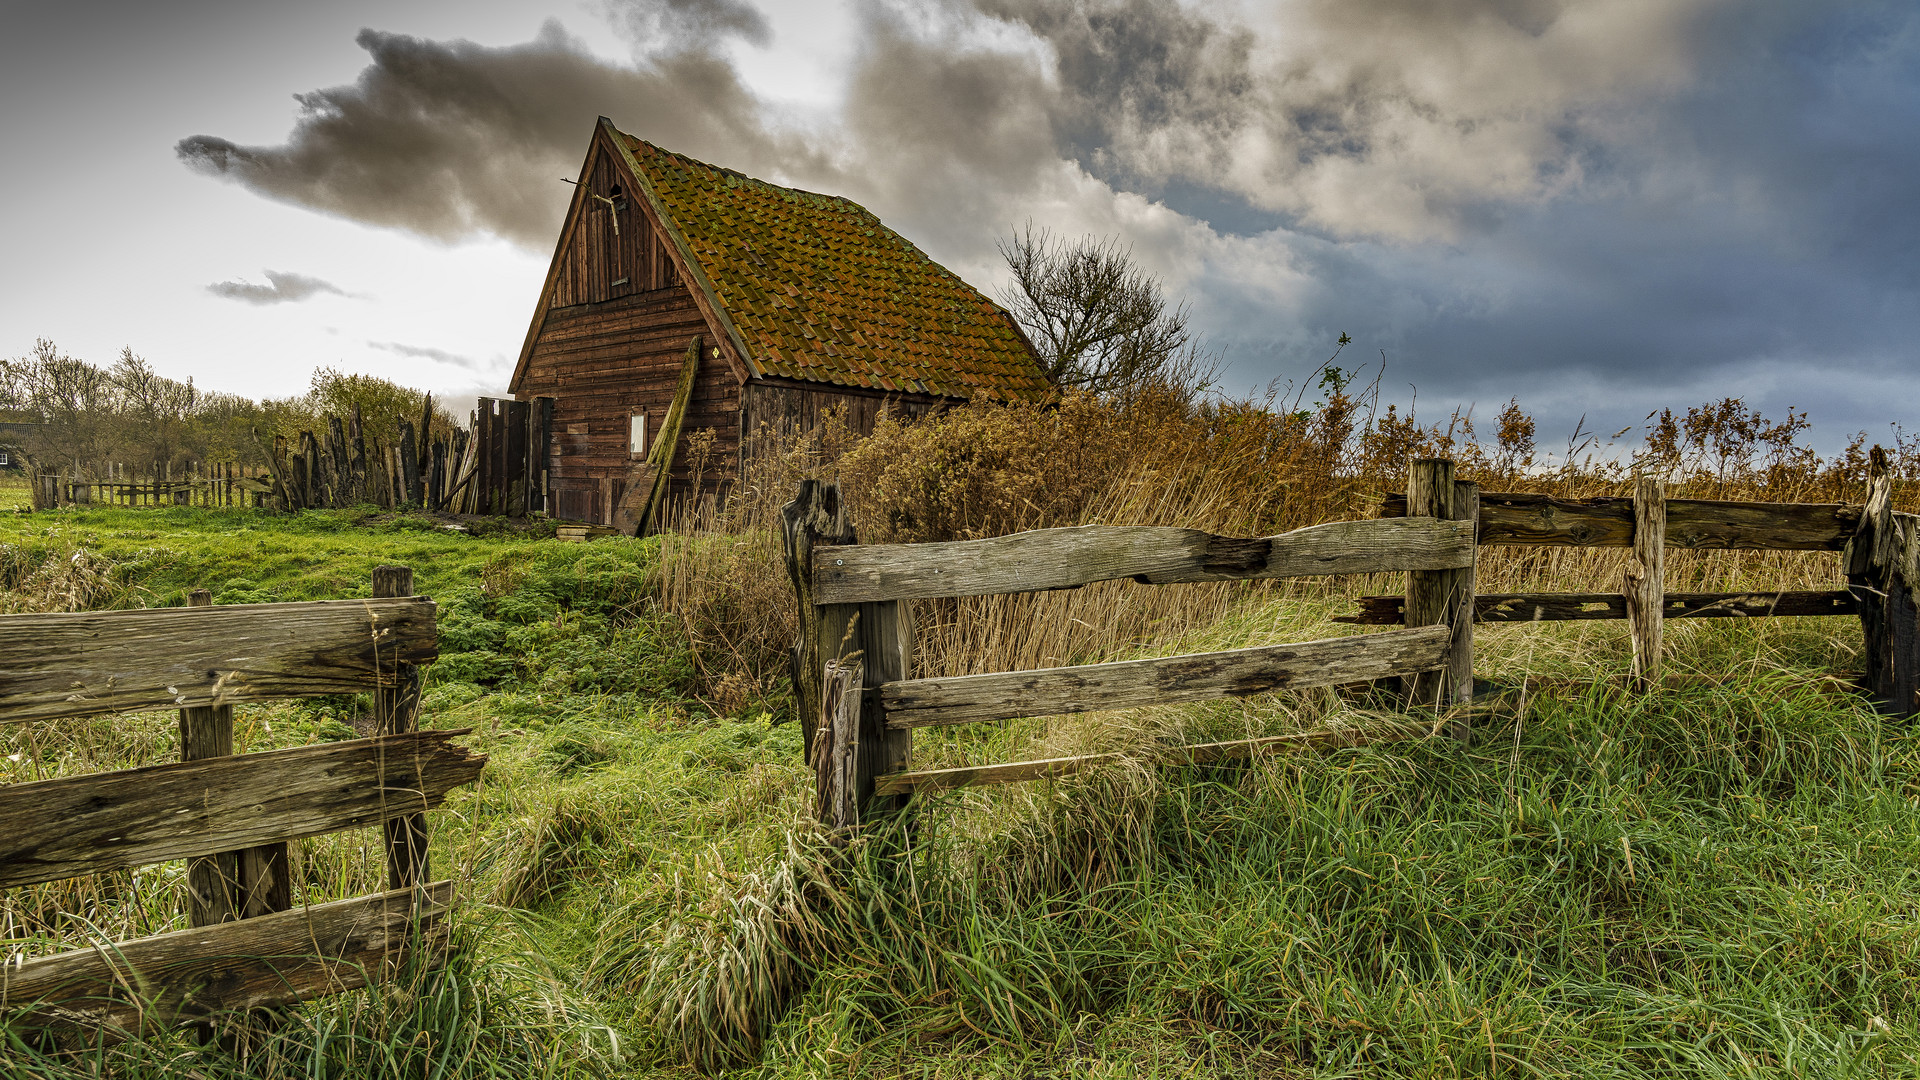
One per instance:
(1718, 880)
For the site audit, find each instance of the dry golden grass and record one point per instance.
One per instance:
(1170, 456)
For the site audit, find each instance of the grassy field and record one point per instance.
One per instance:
(1718, 879)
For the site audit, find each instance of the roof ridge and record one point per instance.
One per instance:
(738, 175)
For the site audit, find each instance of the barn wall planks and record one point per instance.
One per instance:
(603, 363)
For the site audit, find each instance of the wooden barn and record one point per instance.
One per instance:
(801, 302)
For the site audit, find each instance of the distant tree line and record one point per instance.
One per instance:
(63, 413)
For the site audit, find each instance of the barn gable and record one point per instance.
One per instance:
(805, 303)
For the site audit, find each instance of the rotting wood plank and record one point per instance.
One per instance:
(1163, 680)
(1563, 607)
(1643, 581)
(272, 960)
(1525, 519)
(107, 821)
(1154, 555)
(87, 663)
(1014, 772)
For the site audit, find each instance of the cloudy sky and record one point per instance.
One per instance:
(1599, 207)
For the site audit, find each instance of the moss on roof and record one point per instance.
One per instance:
(820, 290)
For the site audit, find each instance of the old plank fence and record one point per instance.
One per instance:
(1881, 562)
(500, 467)
(853, 660)
(213, 484)
(229, 816)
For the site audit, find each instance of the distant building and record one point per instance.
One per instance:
(13, 438)
(804, 302)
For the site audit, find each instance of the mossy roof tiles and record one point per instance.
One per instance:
(822, 291)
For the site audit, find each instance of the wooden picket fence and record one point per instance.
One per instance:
(229, 816)
(215, 484)
(852, 663)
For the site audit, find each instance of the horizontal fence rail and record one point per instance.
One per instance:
(265, 961)
(853, 604)
(230, 817)
(1163, 680)
(68, 665)
(1517, 518)
(1071, 557)
(1561, 607)
(106, 821)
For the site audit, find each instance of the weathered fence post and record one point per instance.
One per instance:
(1881, 573)
(880, 635)
(231, 884)
(396, 709)
(1442, 596)
(836, 747)
(1644, 582)
(813, 518)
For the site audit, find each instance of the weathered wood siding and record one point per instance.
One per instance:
(598, 263)
(609, 344)
(601, 363)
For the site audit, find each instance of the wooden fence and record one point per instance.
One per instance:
(229, 816)
(217, 484)
(856, 633)
(1881, 562)
(852, 663)
(500, 467)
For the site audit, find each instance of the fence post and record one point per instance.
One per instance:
(396, 709)
(815, 518)
(230, 884)
(1442, 596)
(886, 637)
(1878, 563)
(1644, 582)
(836, 747)
(880, 635)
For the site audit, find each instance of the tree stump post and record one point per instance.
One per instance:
(1881, 573)
(396, 710)
(1442, 596)
(879, 635)
(836, 749)
(1644, 582)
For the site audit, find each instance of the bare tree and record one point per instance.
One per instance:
(1098, 321)
(155, 409)
(74, 401)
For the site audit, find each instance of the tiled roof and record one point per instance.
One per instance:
(820, 290)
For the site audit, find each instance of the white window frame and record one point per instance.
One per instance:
(637, 434)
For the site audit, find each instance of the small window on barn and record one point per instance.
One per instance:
(637, 434)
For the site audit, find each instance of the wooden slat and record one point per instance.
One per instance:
(52, 829)
(271, 960)
(87, 663)
(1163, 680)
(1014, 772)
(1561, 607)
(1517, 518)
(1153, 555)
(1643, 582)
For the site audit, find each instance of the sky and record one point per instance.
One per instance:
(1599, 209)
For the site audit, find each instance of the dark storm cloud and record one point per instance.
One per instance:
(438, 356)
(670, 24)
(279, 289)
(1594, 206)
(452, 139)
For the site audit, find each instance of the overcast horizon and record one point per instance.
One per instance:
(1598, 209)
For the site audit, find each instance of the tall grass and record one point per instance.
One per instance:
(1714, 879)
